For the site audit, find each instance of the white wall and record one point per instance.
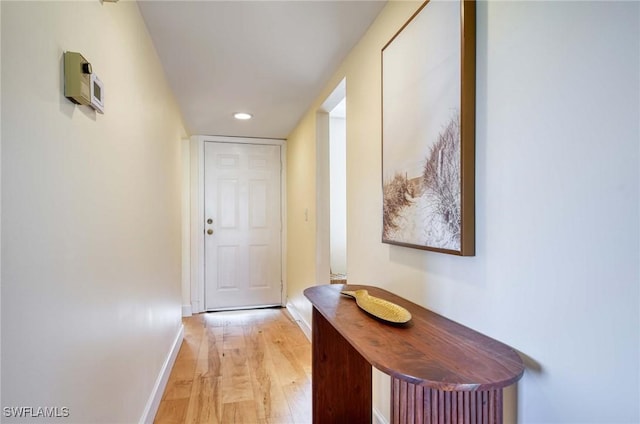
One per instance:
(91, 214)
(0, 211)
(185, 152)
(556, 273)
(338, 193)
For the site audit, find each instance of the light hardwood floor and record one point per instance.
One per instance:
(240, 367)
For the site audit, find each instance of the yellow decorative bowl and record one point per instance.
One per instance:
(379, 308)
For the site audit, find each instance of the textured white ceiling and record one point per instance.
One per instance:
(268, 58)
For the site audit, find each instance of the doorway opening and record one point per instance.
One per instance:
(331, 180)
(338, 193)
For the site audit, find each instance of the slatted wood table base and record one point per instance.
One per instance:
(441, 371)
(412, 404)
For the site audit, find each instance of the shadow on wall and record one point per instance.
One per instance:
(530, 364)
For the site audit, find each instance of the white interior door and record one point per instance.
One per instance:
(242, 225)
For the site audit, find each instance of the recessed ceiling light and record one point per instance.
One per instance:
(242, 115)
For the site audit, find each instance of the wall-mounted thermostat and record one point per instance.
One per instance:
(81, 85)
(97, 94)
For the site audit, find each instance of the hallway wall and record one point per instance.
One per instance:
(557, 270)
(90, 214)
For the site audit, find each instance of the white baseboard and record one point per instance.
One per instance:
(304, 326)
(378, 418)
(153, 403)
(186, 311)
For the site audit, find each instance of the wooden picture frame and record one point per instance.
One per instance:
(428, 130)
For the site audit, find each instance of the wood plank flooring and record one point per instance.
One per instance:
(250, 367)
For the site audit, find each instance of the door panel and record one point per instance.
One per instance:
(228, 203)
(258, 266)
(228, 264)
(258, 206)
(242, 225)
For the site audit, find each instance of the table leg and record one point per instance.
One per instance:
(341, 380)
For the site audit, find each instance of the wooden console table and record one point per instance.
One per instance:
(441, 372)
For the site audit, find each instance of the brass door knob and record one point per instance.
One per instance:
(209, 231)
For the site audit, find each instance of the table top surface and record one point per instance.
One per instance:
(429, 350)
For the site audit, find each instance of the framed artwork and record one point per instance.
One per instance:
(428, 130)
